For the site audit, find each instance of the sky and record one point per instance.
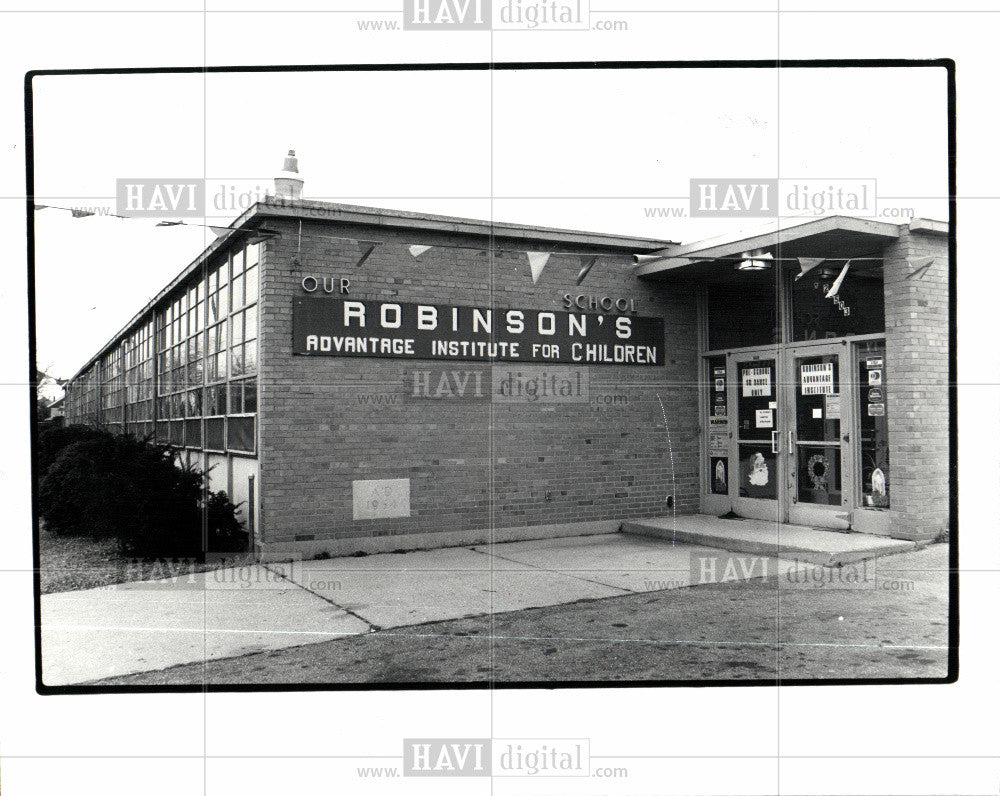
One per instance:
(595, 150)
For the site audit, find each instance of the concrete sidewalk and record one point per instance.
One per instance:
(142, 626)
(145, 625)
(758, 537)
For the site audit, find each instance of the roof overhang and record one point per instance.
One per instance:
(832, 238)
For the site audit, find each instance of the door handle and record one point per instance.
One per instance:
(791, 446)
(774, 442)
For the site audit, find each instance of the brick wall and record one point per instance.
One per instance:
(472, 465)
(916, 324)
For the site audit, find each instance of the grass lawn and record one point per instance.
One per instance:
(79, 562)
(753, 630)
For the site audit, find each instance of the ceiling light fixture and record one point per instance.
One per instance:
(755, 261)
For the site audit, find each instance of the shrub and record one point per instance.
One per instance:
(52, 440)
(225, 532)
(125, 488)
(103, 485)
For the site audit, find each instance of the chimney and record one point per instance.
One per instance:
(288, 183)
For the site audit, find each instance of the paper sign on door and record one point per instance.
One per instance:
(817, 379)
(756, 382)
(765, 418)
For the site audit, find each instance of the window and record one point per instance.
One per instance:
(742, 312)
(113, 388)
(874, 424)
(718, 425)
(240, 435)
(206, 355)
(857, 308)
(139, 380)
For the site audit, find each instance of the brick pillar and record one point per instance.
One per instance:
(916, 325)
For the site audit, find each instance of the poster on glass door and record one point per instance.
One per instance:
(756, 382)
(817, 379)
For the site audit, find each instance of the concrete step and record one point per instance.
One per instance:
(759, 537)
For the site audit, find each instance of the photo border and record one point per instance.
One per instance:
(953, 595)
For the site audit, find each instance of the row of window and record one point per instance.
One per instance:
(235, 398)
(209, 333)
(204, 347)
(215, 434)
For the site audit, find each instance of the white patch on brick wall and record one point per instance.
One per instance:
(382, 499)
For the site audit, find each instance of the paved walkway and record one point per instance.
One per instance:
(758, 537)
(97, 633)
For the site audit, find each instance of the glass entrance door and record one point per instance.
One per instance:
(817, 438)
(754, 392)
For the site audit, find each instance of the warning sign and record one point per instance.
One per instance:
(756, 382)
(817, 379)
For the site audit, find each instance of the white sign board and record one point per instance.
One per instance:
(817, 379)
(765, 418)
(756, 382)
(380, 500)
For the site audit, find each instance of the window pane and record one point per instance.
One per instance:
(237, 292)
(718, 429)
(215, 434)
(253, 254)
(858, 307)
(235, 397)
(241, 433)
(250, 357)
(874, 414)
(193, 433)
(238, 328)
(250, 395)
(238, 261)
(742, 313)
(251, 323)
(251, 285)
(237, 362)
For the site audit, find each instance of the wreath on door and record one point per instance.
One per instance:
(818, 470)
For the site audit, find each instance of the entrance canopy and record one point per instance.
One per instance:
(714, 259)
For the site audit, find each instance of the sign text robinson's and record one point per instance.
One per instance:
(343, 327)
